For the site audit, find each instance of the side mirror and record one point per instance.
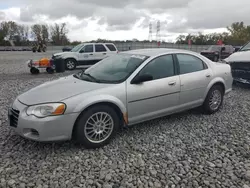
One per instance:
(223, 49)
(142, 78)
(81, 51)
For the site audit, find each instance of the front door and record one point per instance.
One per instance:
(157, 97)
(195, 77)
(86, 55)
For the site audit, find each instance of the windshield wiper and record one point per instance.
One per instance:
(90, 76)
(245, 50)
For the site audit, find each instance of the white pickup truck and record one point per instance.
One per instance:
(86, 54)
(240, 64)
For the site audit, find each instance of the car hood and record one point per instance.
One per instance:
(58, 90)
(63, 53)
(239, 56)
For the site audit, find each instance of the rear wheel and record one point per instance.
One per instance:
(70, 64)
(214, 99)
(34, 70)
(97, 126)
(50, 70)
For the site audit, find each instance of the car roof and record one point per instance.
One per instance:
(155, 51)
(97, 43)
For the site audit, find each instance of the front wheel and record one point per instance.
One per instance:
(70, 64)
(97, 126)
(214, 99)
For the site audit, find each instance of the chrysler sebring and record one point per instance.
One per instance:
(121, 90)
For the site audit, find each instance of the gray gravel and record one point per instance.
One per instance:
(182, 150)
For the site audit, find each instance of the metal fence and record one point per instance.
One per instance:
(122, 46)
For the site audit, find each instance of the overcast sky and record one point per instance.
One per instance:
(128, 19)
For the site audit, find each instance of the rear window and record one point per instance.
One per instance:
(111, 47)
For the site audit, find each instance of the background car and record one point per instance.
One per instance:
(240, 64)
(86, 54)
(121, 90)
(66, 49)
(213, 52)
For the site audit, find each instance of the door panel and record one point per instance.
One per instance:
(100, 51)
(194, 77)
(157, 97)
(86, 55)
(152, 99)
(193, 87)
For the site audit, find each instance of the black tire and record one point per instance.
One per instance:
(34, 70)
(206, 105)
(50, 70)
(79, 134)
(70, 64)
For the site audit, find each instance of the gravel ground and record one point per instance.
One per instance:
(183, 150)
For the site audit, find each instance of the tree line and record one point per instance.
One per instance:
(21, 34)
(238, 34)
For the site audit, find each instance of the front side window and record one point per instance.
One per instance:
(77, 48)
(115, 68)
(87, 49)
(189, 63)
(100, 48)
(160, 67)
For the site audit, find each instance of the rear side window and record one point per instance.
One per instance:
(189, 63)
(111, 47)
(100, 48)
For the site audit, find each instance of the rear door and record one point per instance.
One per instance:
(194, 77)
(100, 52)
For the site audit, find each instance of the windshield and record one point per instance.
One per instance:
(113, 69)
(246, 47)
(77, 48)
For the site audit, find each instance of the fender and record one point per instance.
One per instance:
(99, 99)
(212, 82)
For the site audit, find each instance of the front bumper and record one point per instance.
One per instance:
(56, 128)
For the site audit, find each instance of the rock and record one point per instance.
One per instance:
(108, 177)
(245, 186)
(247, 175)
(11, 182)
(153, 172)
(106, 185)
(212, 165)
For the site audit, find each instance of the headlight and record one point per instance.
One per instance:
(45, 110)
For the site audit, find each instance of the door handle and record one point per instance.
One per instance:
(90, 54)
(104, 53)
(172, 83)
(208, 75)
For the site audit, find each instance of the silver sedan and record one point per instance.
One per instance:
(121, 90)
